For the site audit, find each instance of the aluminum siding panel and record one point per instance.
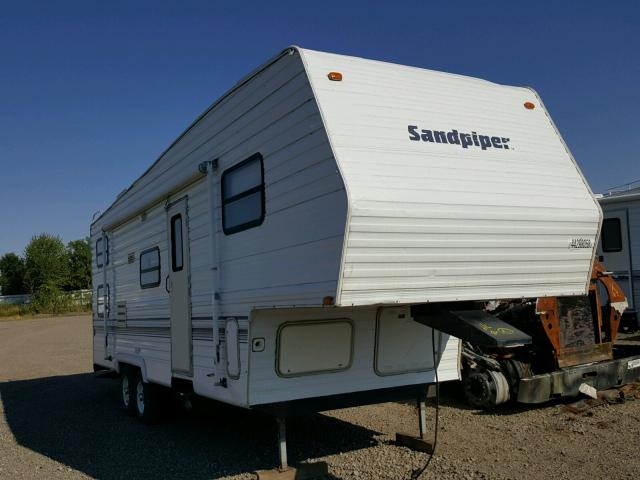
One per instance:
(267, 387)
(436, 222)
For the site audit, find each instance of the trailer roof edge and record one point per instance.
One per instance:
(235, 87)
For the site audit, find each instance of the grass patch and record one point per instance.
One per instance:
(9, 310)
(17, 312)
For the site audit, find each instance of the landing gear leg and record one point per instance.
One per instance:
(422, 416)
(282, 442)
(418, 443)
(303, 471)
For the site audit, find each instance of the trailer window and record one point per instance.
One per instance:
(99, 260)
(611, 235)
(150, 268)
(177, 261)
(243, 195)
(100, 300)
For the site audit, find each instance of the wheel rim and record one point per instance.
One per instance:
(486, 389)
(125, 391)
(140, 397)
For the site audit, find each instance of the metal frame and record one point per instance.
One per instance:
(604, 375)
(549, 313)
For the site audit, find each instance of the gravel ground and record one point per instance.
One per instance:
(57, 421)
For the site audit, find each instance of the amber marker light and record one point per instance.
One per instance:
(529, 105)
(327, 301)
(335, 76)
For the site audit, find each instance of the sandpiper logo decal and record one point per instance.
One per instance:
(453, 137)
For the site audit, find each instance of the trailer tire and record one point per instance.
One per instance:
(148, 400)
(485, 389)
(127, 398)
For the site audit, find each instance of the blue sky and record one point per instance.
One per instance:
(91, 92)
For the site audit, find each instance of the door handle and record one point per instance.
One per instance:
(167, 286)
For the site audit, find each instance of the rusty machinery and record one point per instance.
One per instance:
(538, 349)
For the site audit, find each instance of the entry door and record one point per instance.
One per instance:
(178, 287)
(614, 249)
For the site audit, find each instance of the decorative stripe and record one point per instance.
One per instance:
(160, 332)
(141, 330)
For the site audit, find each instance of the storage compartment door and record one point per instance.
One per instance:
(402, 345)
(314, 347)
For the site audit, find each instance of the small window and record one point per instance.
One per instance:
(150, 268)
(99, 252)
(177, 261)
(100, 300)
(243, 195)
(611, 235)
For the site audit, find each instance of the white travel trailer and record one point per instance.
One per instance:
(619, 245)
(278, 253)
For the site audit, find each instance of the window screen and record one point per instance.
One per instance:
(150, 268)
(611, 235)
(243, 195)
(99, 260)
(177, 261)
(100, 300)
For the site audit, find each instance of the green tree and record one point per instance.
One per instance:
(46, 262)
(12, 274)
(79, 253)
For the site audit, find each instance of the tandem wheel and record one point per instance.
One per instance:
(148, 400)
(127, 399)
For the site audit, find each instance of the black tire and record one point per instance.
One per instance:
(127, 399)
(148, 400)
(485, 389)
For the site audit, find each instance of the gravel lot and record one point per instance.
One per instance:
(57, 421)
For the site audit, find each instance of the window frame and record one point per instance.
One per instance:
(155, 249)
(174, 267)
(99, 252)
(258, 188)
(105, 309)
(617, 221)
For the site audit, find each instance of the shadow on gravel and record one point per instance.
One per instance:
(76, 420)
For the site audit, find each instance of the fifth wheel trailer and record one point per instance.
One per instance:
(295, 245)
(619, 245)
